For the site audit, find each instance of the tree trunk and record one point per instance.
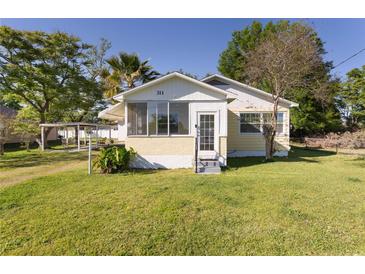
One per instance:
(27, 145)
(46, 131)
(270, 132)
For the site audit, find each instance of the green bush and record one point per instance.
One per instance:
(114, 159)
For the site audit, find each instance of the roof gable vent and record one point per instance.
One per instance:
(217, 83)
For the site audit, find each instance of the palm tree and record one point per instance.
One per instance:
(126, 71)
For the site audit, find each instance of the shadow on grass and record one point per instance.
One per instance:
(359, 161)
(295, 155)
(37, 158)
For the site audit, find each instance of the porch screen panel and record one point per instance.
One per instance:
(152, 118)
(179, 118)
(157, 118)
(162, 120)
(137, 118)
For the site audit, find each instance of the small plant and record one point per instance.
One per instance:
(114, 159)
(109, 141)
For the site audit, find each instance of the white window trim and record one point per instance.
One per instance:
(261, 124)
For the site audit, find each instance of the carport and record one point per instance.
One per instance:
(74, 127)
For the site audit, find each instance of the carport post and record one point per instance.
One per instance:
(42, 137)
(89, 162)
(84, 131)
(78, 137)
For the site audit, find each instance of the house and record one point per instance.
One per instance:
(160, 120)
(7, 115)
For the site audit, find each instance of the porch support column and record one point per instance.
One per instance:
(42, 137)
(110, 132)
(78, 137)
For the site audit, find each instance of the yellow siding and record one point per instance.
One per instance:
(162, 145)
(223, 146)
(253, 142)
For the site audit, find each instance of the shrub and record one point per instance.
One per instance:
(109, 141)
(352, 140)
(114, 159)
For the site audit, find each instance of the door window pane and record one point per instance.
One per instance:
(137, 118)
(179, 118)
(206, 122)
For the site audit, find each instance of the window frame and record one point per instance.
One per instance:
(168, 119)
(261, 123)
(127, 118)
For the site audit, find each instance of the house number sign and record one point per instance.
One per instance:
(160, 92)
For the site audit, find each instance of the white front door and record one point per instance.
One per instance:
(207, 135)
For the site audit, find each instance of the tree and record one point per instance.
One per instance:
(48, 72)
(10, 101)
(126, 71)
(353, 98)
(26, 125)
(232, 61)
(6, 117)
(281, 63)
(317, 111)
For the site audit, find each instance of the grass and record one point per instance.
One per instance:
(19, 165)
(311, 203)
(22, 158)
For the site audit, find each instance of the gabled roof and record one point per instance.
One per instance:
(258, 91)
(228, 94)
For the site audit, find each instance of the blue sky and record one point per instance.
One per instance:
(194, 45)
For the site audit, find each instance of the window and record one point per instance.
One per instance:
(280, 123)
(179, 118)
(137, 118)
(163, 118)
(250, 122)
(253, 122)
(266, 119)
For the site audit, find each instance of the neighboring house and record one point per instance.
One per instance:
(161, 119)
(5, 130)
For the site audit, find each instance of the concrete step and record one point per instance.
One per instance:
(209, 169)
(208, 163)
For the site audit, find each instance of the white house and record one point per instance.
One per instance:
(162, 118)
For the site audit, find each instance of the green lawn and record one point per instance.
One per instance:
(309, 204)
